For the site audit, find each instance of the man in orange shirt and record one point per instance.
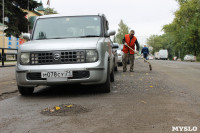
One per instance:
(131, 40)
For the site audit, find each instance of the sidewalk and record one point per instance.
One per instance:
(7, 80)
(8, 64)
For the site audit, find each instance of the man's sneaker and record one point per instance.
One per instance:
(124, 70)
(131, 71)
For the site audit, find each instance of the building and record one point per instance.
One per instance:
(13, 42)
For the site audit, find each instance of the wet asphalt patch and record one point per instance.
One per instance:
(65, 110)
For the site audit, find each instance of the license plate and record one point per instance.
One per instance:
(64, 74)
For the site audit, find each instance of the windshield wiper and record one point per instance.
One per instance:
(52, 38)
(58, 38)
(40, 38)
(90, 36)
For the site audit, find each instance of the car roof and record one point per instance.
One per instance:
(65, 15)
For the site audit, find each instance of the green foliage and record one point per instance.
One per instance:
(198, 57)
(155, 41)
(122, 30)
(114, 39)
(182, 36)
(50, 11)
(17, 21)
(188, 26)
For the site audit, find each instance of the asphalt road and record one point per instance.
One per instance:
(141, 101)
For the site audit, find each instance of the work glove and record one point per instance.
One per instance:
(125, 44)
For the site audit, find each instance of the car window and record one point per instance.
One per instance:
(66, 27)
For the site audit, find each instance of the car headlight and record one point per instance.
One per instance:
(25, 58)
(91, 56)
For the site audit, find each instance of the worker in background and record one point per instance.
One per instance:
(145, 52)
(131, 40)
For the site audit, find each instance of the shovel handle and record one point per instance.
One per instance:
(150, 67)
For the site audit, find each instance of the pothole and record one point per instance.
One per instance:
(64, 110)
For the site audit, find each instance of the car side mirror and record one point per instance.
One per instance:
(111, 32)
(26, 36)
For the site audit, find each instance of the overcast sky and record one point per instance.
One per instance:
(146, 17)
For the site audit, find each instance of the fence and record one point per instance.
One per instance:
(7, 55)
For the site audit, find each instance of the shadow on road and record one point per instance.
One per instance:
(66, 90)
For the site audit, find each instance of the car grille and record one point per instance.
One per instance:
(80, 75)
(76, 75)
(34, 76)
(57, 57)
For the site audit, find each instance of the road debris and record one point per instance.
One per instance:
(143, 102)
(64, 110)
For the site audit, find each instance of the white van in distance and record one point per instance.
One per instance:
(163, 54)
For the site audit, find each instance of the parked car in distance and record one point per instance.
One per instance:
(71, 49)
(163, 54)
(120, 54)
(157, 56)
(189, 57)
(150, 57)
(175, 58)
(115, 46)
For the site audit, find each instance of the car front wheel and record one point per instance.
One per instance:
(112, 76)
(25, 90)
(106, 86)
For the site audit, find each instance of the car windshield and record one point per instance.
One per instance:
(67, 27)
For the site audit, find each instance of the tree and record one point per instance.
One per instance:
(188, 25)
(122, 30)
(155, 41)
(114, 39)
(182, 36)
(13, 10)
(161, 42)
(49, 11)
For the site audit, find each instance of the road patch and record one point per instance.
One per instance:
(64, 110)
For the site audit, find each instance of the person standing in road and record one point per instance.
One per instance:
(145, 52)
(131, 40)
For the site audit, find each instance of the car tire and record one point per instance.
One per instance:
(106, 86)
(115, 65)
(119, 63)
(25, 90)
(116, 69)
(112, 76)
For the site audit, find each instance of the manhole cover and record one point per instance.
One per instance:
(64, 110)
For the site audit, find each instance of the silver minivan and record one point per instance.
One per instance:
(66, 50)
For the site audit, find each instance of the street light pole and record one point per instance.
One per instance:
(3, 22)
(28, 16)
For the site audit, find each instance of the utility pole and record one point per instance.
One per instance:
(3, 22)
(28, 16)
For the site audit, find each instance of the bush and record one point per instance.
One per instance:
(198, 57)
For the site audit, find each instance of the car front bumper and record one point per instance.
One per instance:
(85, 74)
